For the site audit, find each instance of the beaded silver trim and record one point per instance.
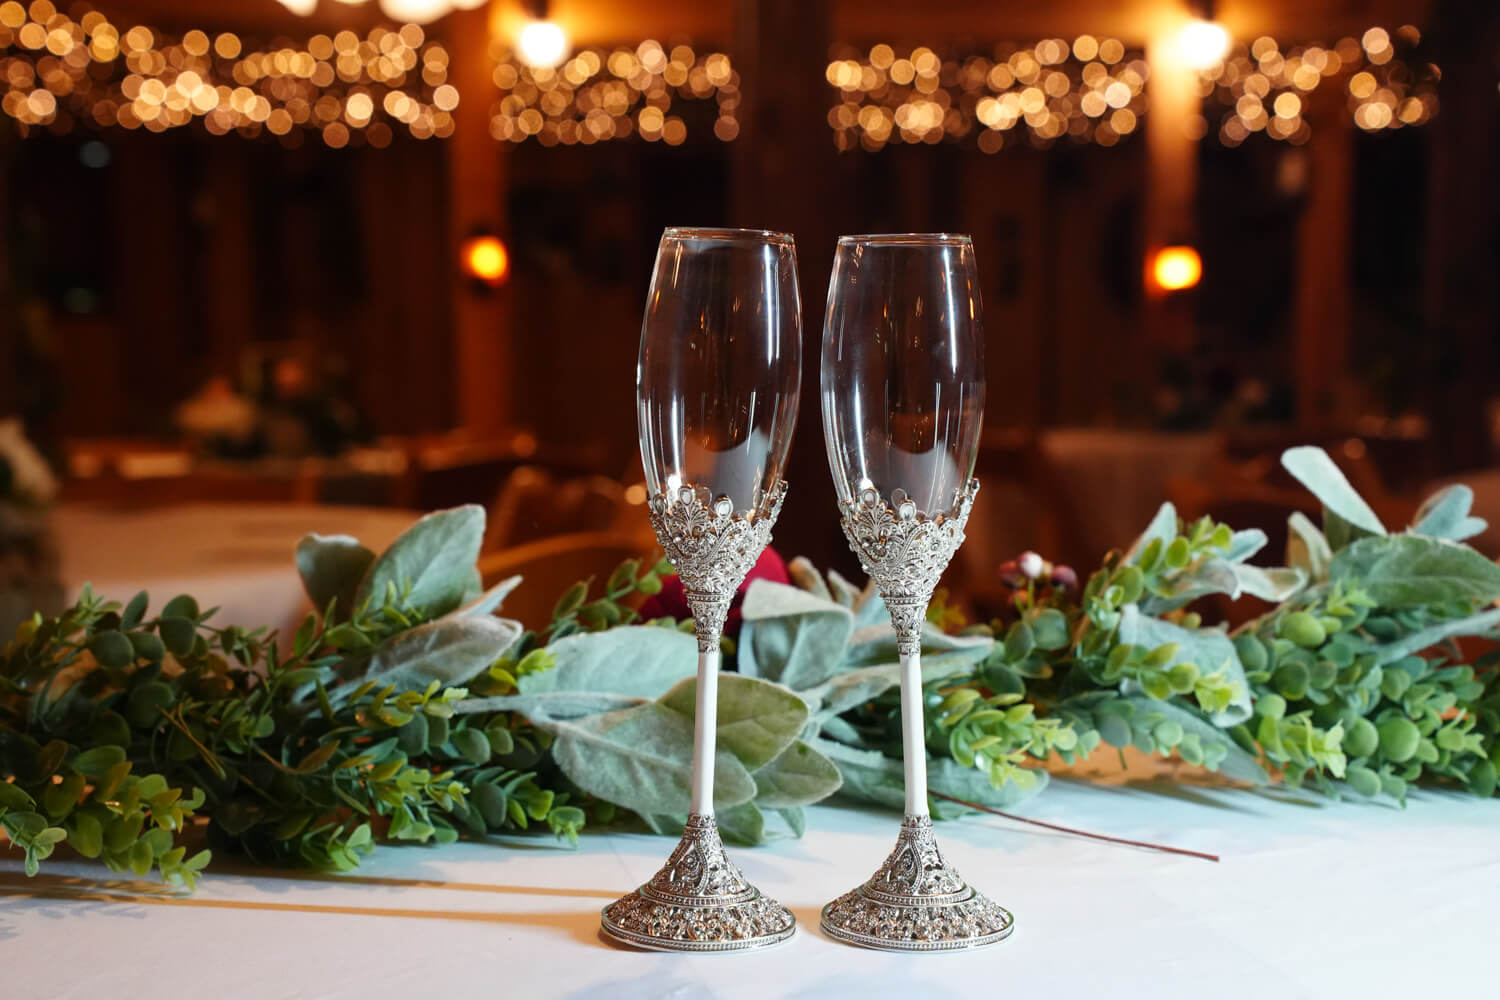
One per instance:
(712, 547)
(698, 901)
(916, 901)
(905, 550)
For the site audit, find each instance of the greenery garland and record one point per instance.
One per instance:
(407, 711)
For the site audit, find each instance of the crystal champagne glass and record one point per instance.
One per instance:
(903, 401)
(717, 388)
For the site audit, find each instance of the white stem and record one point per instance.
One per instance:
(705, 724)
(913, 744)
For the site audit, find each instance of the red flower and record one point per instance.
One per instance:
(671, 602)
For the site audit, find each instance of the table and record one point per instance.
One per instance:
(238, 557)
(1312, 899)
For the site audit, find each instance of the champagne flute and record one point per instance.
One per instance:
(903, 401)
(717, 387)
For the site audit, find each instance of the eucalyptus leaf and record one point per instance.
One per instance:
(331, 567)
(1210, 649)
(1314, 469)
(435, 557)
(1404, 571)
(642, 758)
(639, 660)
(1237, 764)
(799, 776)
(757, 720)
(1445, 514)
(790, 636)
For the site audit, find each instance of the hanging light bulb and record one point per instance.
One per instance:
(1202, 44)
(302, 8)
(1175, 268)
(542, 43)
(415, 11)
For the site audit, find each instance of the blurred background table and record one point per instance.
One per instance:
(236, 556)
(1311, 899)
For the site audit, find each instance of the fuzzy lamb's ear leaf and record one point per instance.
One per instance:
(1163, 526)
(331, 567)
(1407, 571)
(1326, 481)
(799, 776)
(757, 720)
(642, 758)
(639, 660)
(1445, 514)
(451, 651)
(1307, 548)
(791, 636)
(435, 557)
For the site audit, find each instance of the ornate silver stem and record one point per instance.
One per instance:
(712, 547)
(698, 901)
(905, 550)
(916, 901)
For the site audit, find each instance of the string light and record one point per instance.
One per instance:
(58, 73)
(1264, 87)
(1090, 90)
(609, 94)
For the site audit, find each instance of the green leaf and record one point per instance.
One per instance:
(331, 567)
(1421, 639)
(641, 758)
(489, 602)
(96, 761)
(435, 556)
(1445, 514)
(742, 824)
(1314, 469)
(757, 720)
(1211, 650)
(1163, 528)
(799, 776)
(871, 776)
(1404, 571)
(1307, 548)
(792, 637)
(638, 660)
(450, 651)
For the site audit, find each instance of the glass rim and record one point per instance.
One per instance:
(909, 239)
(727, 235)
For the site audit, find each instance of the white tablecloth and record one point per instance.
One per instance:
(1312, 899)
(238, 557)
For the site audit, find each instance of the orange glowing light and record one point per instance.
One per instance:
(1175, 268)
(485, 259)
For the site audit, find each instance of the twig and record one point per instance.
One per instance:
(1080, 833)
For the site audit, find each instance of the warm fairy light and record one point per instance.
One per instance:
(542, 44)
(1263, 87)
(484, 259)
(599, 95)
(1201, 44)
(1176, 268)
(61, 73)
(1089, 89)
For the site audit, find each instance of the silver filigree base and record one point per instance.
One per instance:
(916, 902)
(698, 901)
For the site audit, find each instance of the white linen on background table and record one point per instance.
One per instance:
(237, 557)
(1313, 898)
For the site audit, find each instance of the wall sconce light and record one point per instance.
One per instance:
(1174, 269)
(484, 260)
